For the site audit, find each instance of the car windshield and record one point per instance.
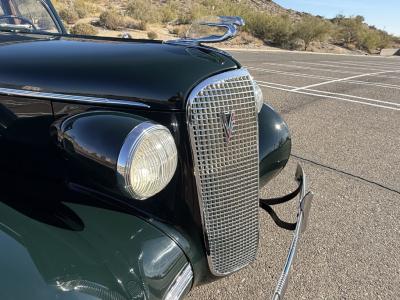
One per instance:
(26, 15)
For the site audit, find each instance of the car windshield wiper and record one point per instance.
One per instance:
(16, 27)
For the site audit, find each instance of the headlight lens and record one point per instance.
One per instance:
(259, 96)
(147, 161)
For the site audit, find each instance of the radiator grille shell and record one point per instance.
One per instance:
(227, 172)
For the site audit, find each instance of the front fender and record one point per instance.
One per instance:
(275, 144)
(79, 251)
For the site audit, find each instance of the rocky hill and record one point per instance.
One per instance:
(268, 24)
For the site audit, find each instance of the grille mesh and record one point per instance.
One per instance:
(227, 173)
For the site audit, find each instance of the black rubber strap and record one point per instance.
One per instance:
(277, 220)
(267, 203)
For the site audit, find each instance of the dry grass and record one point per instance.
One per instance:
(84, 29)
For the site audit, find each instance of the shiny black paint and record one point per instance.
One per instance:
(153, 73)
(52, 232)
(158, 74)
(91, 142)
(176, 206)
(25, 146)
(174, 210)
(49, 249)
(275, 144)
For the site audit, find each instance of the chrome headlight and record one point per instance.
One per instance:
(258, 95)
(147, 161)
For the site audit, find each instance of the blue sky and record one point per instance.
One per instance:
(384, 14)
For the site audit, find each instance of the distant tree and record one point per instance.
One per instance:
(311, 29)
(373, 40)
(349, 30)
(359, 19)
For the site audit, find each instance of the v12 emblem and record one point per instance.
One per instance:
(229, 122)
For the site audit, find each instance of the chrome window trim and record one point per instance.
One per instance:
(193, 95)
(53, 17)
(70, 98)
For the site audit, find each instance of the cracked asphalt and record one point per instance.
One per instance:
(344, 115)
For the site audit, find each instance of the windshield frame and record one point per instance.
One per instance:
(48, 6)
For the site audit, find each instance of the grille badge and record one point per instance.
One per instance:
(229, 122)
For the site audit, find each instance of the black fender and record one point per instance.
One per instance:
(275, 144)
(91, 142)
(80, 251)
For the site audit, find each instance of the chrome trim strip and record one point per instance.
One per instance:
(70, 98)
(181, 285)
(305, 201)
(193, 95)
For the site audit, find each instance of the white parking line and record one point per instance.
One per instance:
(342, 79)
(294, 88)
(340, 66)
(311, 68)
(302, 75)
(329, 70)
(364, 65)
(376, 63)
(331, 97)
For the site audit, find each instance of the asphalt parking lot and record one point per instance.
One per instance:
(344, 115)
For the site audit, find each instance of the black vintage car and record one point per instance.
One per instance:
(130, 169)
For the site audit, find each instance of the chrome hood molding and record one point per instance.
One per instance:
(231, 24)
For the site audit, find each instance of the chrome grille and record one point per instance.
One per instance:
(227, 172)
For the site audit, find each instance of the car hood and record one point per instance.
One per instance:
(161, 75)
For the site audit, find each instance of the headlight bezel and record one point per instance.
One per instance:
(126, 158)
(258, 96)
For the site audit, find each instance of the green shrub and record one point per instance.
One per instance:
(111, 20)
(281, 29)
(152, 35)
(354, 33)
(180, 30)
(169, 13)
(84, 8)
(69, 16)
(348, 30)
(276, 29)
(84, 29)
(311, 29)
(134, 24)
(196, 12)
(143, 10)
(373, 40)
(142, 25)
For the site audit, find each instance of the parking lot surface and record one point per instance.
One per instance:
(344, 116)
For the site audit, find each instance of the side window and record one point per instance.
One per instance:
(36, 12)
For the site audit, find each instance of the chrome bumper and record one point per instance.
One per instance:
(305, 200)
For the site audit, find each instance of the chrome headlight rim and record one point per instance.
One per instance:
(126, 157)
(258, 95)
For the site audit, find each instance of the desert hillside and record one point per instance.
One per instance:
(267, 23)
